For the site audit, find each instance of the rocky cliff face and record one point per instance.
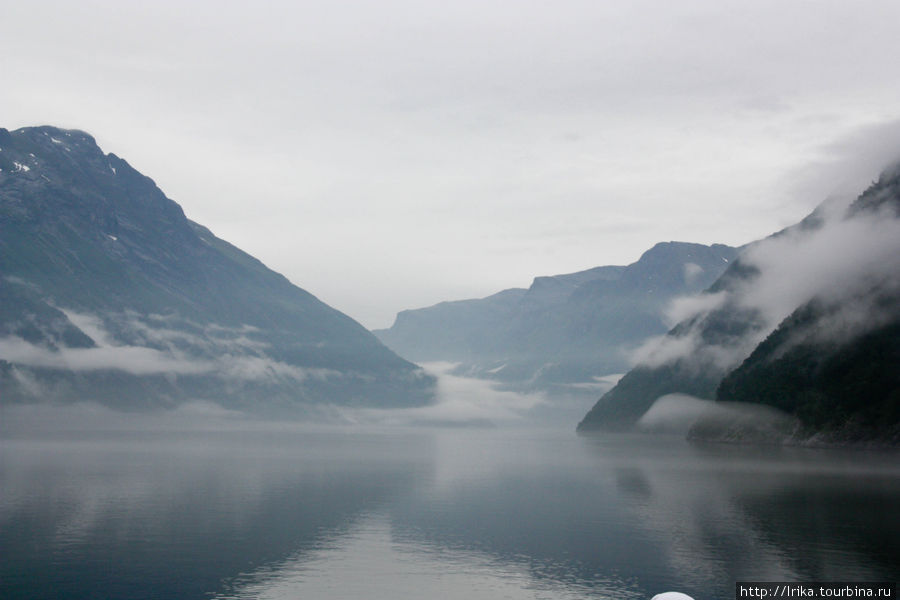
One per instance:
(109, 293)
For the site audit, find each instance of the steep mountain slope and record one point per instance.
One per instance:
(841, 389)
(834, 361)
(802, 321)
(563, 329)
(109, 293)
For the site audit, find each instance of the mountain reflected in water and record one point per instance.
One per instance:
(284, 512)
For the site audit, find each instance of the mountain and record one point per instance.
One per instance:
(563, 329)
(833, 361)
(840, 389)
(805, 321)
(109, 293)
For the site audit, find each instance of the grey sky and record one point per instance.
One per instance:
(388, 155)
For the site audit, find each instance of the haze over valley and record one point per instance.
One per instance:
(415, 299)
(112, 296)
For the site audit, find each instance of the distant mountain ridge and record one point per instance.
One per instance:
(109, 293)
(805, 321)
(563, 329)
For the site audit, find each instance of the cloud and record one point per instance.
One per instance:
(686, 307)
(841, 321)
(195, 415)
(460, 401)
(225, 352)
(695, 354)
(837, 264)
(665, 349)
(573, 118)
(680, 413)
(599, 384)
(677, 413)
(848, 164)
(691, 272)
(830, 263)
(259, 368)
(175, 333)
(131, 359)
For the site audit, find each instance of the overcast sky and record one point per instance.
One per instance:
(392, 154)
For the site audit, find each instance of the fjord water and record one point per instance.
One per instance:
(297, 512)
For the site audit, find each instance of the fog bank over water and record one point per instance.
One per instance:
(460, 402)
(682, 414)
(465, 401)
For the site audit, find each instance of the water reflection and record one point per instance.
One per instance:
(723, 513)
(329, 513)
(659, 513)
(369, 562)
(173, 518)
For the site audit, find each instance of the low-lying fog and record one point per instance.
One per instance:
(460, 402)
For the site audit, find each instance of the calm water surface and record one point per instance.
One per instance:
(304, 513)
